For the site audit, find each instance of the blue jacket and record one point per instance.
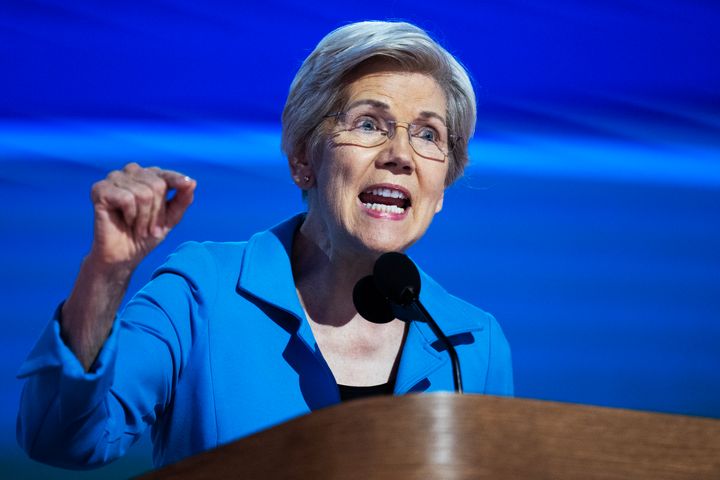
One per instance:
(216, 347)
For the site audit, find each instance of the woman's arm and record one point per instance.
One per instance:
(132, 216)
(87, 398)
(73, 418)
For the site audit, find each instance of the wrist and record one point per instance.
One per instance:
(98, 267)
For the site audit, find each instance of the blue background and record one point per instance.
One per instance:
(587, 222)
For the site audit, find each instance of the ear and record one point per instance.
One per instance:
(439, 204)
(301, 171)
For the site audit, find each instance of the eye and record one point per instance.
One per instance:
(427, 134)
(366, 124)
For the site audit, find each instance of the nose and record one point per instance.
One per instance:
(398, 152)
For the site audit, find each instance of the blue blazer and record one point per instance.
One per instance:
(216, 347)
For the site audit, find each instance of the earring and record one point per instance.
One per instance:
(306, 178)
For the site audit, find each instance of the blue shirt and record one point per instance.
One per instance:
(216, 347)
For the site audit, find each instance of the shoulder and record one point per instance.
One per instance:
(200, 260)
(482, 321)
(493, 355)
(218, 251)
(454, 309)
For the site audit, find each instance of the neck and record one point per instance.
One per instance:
(325, 277)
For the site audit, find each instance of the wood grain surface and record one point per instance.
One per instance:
(445, 436)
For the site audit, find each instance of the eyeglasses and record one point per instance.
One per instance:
(369, 129)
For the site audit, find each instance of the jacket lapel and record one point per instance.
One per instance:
(422, 354)
(417, 361)
(266, 273)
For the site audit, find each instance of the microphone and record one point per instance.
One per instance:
(394, 290)
(397, 278)
(370, 303)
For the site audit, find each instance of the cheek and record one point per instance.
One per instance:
(435, 182)
(336, 178)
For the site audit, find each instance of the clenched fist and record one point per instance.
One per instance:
(133, 213)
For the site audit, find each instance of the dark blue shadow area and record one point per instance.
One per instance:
(218, 59)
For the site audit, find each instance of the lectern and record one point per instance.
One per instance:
(446, 436)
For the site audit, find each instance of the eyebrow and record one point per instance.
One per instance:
(385, 106)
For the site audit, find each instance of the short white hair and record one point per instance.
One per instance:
(317, 89)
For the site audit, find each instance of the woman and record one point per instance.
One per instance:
(231, 338)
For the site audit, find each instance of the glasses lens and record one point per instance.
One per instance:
(427, 148)
(361, 128)
(364, 128)
(428, 140)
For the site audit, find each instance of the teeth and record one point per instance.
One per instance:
(386, 192)
(384, 208)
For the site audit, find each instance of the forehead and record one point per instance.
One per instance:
(407, 94)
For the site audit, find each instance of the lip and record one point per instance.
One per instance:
(386, 215)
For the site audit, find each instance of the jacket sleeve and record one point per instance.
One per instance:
(76, 419)
(500, 373)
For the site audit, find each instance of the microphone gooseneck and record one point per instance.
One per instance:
(395, 287)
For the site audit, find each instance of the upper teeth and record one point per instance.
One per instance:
(386, 192)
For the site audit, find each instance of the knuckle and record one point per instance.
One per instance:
(158, 185)
(132, 167)
(126, 195)
(126, 200)
(99, 190)
(98, 186)
(144, 194)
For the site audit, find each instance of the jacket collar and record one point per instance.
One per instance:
(267, 274)
(266, 271)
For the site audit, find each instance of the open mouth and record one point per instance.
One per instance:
(385, 199)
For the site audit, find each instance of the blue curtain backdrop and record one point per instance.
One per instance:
(588, 222)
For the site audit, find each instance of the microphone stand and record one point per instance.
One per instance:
(443, 338)
(392, 290)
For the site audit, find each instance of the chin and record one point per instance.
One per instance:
(385, 241)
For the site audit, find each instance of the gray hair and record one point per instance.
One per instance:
(318, 86)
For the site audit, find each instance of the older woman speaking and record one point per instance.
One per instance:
(230, 338)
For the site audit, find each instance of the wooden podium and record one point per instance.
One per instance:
(445, 436)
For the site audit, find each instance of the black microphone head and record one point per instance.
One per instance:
(397, 278)
(370, 303)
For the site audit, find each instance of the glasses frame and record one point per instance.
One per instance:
(452, 139)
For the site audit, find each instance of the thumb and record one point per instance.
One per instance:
(175, 207)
